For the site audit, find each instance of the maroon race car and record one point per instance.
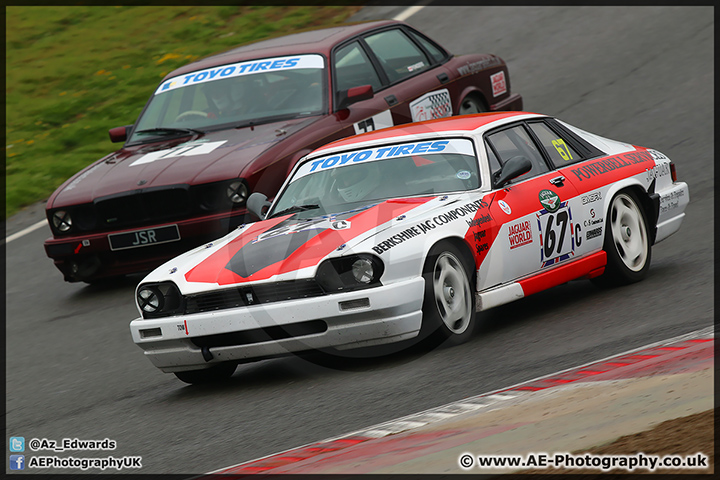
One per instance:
(223, 127)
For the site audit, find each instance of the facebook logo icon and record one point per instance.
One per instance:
(17, 444)
(17, 462)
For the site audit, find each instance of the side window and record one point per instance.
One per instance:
(398, 55)
(560, 153)
(493, 161)
(435, 52)
(515, 142)
(353, 68)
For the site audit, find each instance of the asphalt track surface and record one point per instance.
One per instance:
(637, 74)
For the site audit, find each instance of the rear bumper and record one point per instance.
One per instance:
(89, 257)
(673, 202)
(388, 314)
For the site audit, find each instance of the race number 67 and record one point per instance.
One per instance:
(562, 149)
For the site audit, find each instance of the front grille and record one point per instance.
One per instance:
(142, 207)
(257, 335)
(252, 295)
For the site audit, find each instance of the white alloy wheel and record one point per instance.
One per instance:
(453, 297)
(628, 232)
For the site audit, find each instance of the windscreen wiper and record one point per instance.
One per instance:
(171, 131)
(295, 209)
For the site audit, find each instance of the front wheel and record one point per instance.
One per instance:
(627, 243)
(219, 372)
(449, 303)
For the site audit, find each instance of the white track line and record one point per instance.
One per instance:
(407, 13)
(25, 231)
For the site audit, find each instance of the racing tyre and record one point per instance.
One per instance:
(471, 105)
(627, 243)
(217, 373)
(449, 302)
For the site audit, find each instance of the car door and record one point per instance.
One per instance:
(534, 214)
(404, 76)
(415, 92)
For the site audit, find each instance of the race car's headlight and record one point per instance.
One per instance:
(237, 192)
(350, 273)
(159, 299)
(362, 270)
(62, 221)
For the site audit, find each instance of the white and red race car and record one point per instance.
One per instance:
(406, 233)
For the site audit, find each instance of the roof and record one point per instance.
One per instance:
(439, 125)
(313, 41)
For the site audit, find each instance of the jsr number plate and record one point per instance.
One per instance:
(144, 238)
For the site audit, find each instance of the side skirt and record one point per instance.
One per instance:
(587, 267)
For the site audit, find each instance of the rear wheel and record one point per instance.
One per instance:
(627, 243)
(449, 303)
(219, 372)
(471, 105)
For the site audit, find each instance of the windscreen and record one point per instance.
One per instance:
(344, 181)
(237, 94)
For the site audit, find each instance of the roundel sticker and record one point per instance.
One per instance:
(340, 225)
(549, 199)
(505, 207)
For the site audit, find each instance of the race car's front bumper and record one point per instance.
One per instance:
(374, 316)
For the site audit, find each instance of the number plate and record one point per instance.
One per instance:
(143, 238)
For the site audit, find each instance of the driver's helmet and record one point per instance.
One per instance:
(355, 182)
(227, 95)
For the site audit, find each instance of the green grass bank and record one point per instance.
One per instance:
(72, 73)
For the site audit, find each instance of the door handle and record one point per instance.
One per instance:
(443, 77)
(391, 100)
(558, 181)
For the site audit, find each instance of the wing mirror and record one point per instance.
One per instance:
(354, 95)
(257, 204)
(513, 168)
(120, 134)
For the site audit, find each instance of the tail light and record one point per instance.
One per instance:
(673, 173)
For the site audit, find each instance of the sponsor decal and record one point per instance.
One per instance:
(431, 105)
(595, 232)
(593, 221)
(183, 150)
(520, 234)
(549, 199)
(611, 163)
(428, 225)
(475, 67)
(558, 235)
(315, 224)
(658, 155)
(671, 201)
(376, 122)
(463, 175)
(241, 69)
(340, 225)
(659, 170)
(481, 244)
(591, 197)
(499, 85)
(459, 146)
(505, 207)
(417, 66)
